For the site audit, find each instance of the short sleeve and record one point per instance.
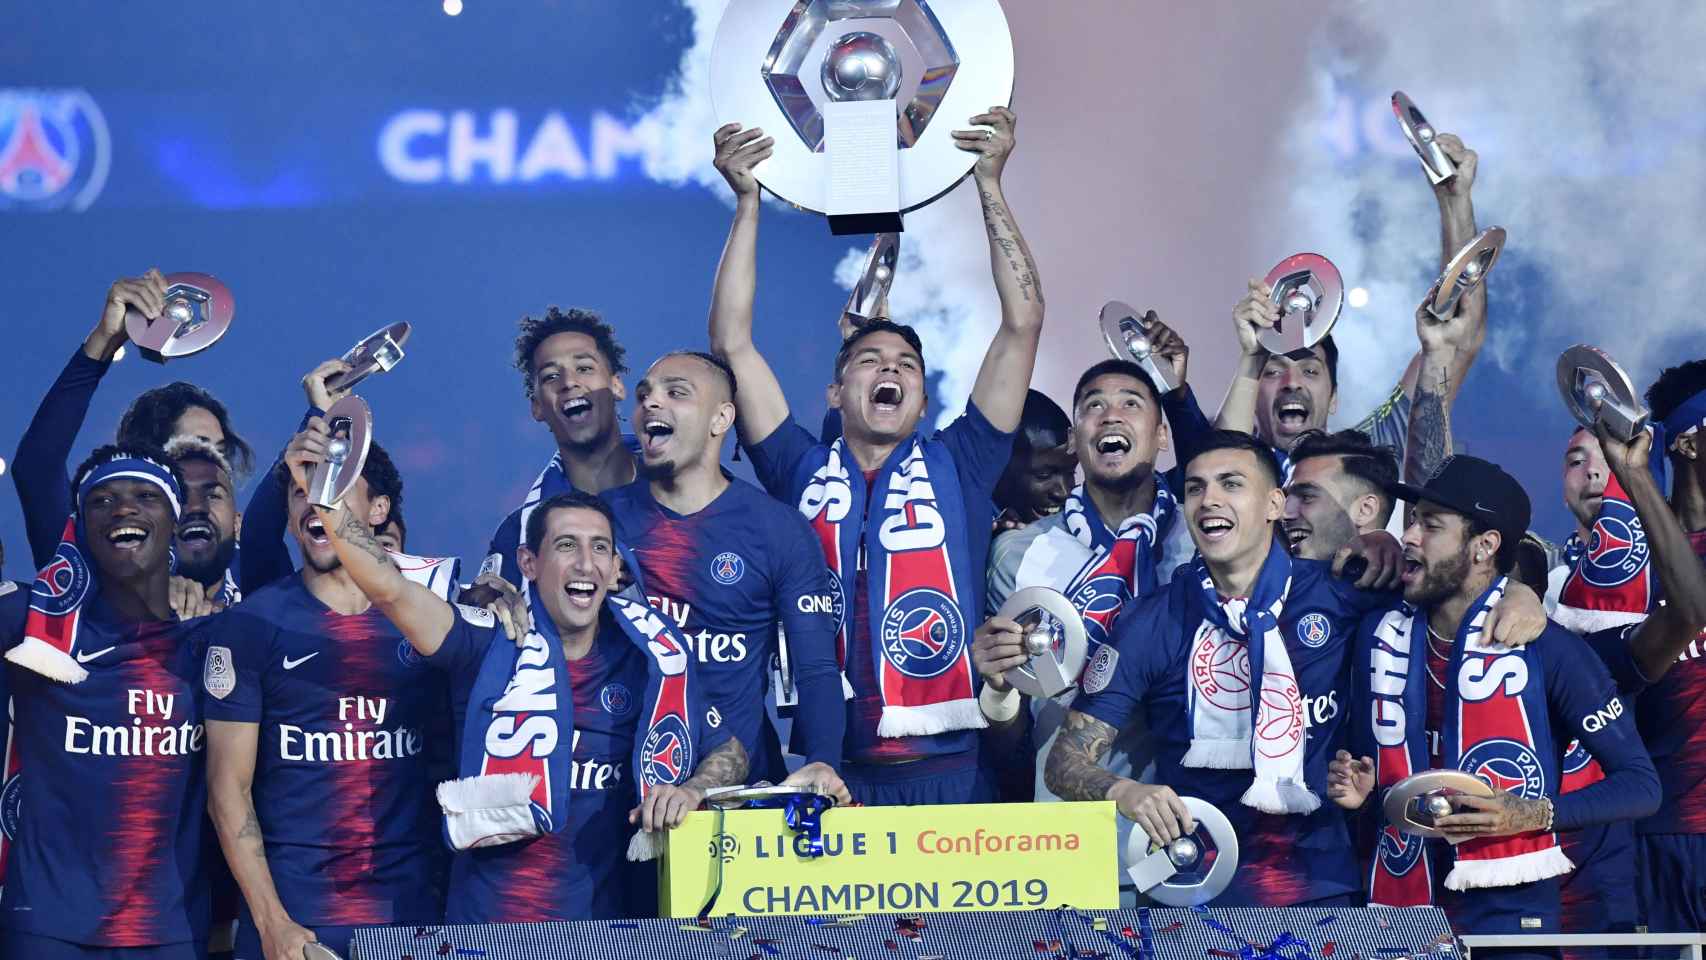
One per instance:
(1122, 671)
(980, 448)
(234, 667)
(464, 648)
(776, 458)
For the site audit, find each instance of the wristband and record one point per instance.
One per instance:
(997, 706)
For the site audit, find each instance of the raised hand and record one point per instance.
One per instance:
(993, 146)
(1155, 808)
(306, 450)
(1464, 159)
(147, 294)
(314, 386)
(998, 646)
(738, 151)
(1256, 312)
(1167, 346)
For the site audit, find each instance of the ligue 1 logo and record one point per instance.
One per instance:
(1505, 765)
(667, 756)
(923, 633)
(407, 655)
(54, 149)
(1617, 548)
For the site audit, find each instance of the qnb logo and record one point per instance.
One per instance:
(55, 149)
(1603, 717)
(459, 146)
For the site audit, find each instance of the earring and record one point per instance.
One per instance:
(1478, 556)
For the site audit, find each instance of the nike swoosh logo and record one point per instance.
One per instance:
(86, 657)
(290, 664)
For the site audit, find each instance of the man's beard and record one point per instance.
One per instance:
(1439, 583)
(328, 567)
(212, 570)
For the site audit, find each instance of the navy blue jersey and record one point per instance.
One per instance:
(580, 872)
(1283, 859)
(980, 453)
(109, 815)
(343, 787)
(727, 576)
(507, 538)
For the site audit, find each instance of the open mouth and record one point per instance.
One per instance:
(581, 592)
(1295, 535)
(577, 408)
(1112, 446)
(656, 433)
(127, 538)
(1215, 529)
(315, 528)
(196, 532)
(1412, 570)
(1291, 413)
(886, 396)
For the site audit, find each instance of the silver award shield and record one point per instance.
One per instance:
(1467, 270)
(199, 309)
(1595, 388)
(319, 951)
(1310, 294)
(351, 424)
(1415, 802)
(731, 798)
(1420, 133)
(377, 353)
(1191, 870)
(1054, 638)
(1126, 332)
(875, 280)
(812, 71)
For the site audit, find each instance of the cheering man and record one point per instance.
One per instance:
(902, 516)
(112, 858)
(595, 718)
(1036, 480)
(1468, 702)
(728, 563)
(319, 779)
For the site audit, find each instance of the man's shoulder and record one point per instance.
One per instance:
(270, 602)
(1016, 542)
(750, 498)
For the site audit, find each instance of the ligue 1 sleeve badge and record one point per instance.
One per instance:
(218, 675)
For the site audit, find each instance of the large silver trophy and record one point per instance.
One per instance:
(1192, 870)
(872, 288)
(1421, 135)
(351, 424)
(1595, 388)
(377, 353)
(199, 309)
(1467, 270)
(861, 96)
(1126, 332)
(1054, 639)
(1416, 802)
(1310, 293)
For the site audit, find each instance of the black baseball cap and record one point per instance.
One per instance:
(1477, 489)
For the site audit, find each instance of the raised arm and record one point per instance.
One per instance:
(760, 406)
(1000, 388)
(1662, 637)
(231, 749)
(1252, 314)
(1428, 436)
(1468, 332)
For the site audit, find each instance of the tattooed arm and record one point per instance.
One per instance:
(666, 806)
(231, 749)
(1012, 354)
(418, 612)
(1074, 771)
(1439, 370)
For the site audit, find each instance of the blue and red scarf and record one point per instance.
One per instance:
(1122, 564)
(920, 573)
(1495, 727)
(67, 582)
(518, 737)
(1610, 583)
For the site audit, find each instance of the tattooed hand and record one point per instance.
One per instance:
(1503, 814)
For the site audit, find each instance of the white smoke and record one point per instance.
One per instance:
(942, 282)
(1586, 117)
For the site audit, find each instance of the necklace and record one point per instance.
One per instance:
(1444, 655)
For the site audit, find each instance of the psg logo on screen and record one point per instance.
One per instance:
(923, 633)
(1506, 765)
(667, 756)
(1617, 548)
(54, 149)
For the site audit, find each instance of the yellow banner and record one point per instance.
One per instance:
(1012, 856)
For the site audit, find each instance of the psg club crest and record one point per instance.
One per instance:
(1099, 599)
(1506, 765)
(667, 756)
(923, 633)
(61, 586)
(1617, 548)
(615, 699)
(1314, 629)
(12, 805)
(54, 149)
(1400, 852)
(727, 568)
(1576, 757)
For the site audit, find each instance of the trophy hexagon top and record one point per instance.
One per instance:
(1125, 330)
(351, 424)
(1054, 638)
(1415, 802)
(199, 310)
(378, 352)
(1595, 387)
(1193, 869)
(1310, 294)
(777, 64)
(1421, 135)
(1467, 270)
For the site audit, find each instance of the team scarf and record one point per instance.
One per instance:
(1242, 718)
(10, 764)
(1122, 564)
(517, 752)
(1610, 584)
(67, 583)
(919, 569)
(1489, 731)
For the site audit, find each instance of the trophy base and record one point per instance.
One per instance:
(851, 224)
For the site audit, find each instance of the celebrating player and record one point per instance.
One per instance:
(903, 517)
(727, 563)
(206, 539)
(1471, 703)
(1336, 493)
(573, 867)
(111, 860)
(1035, 481)
(318, 771)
